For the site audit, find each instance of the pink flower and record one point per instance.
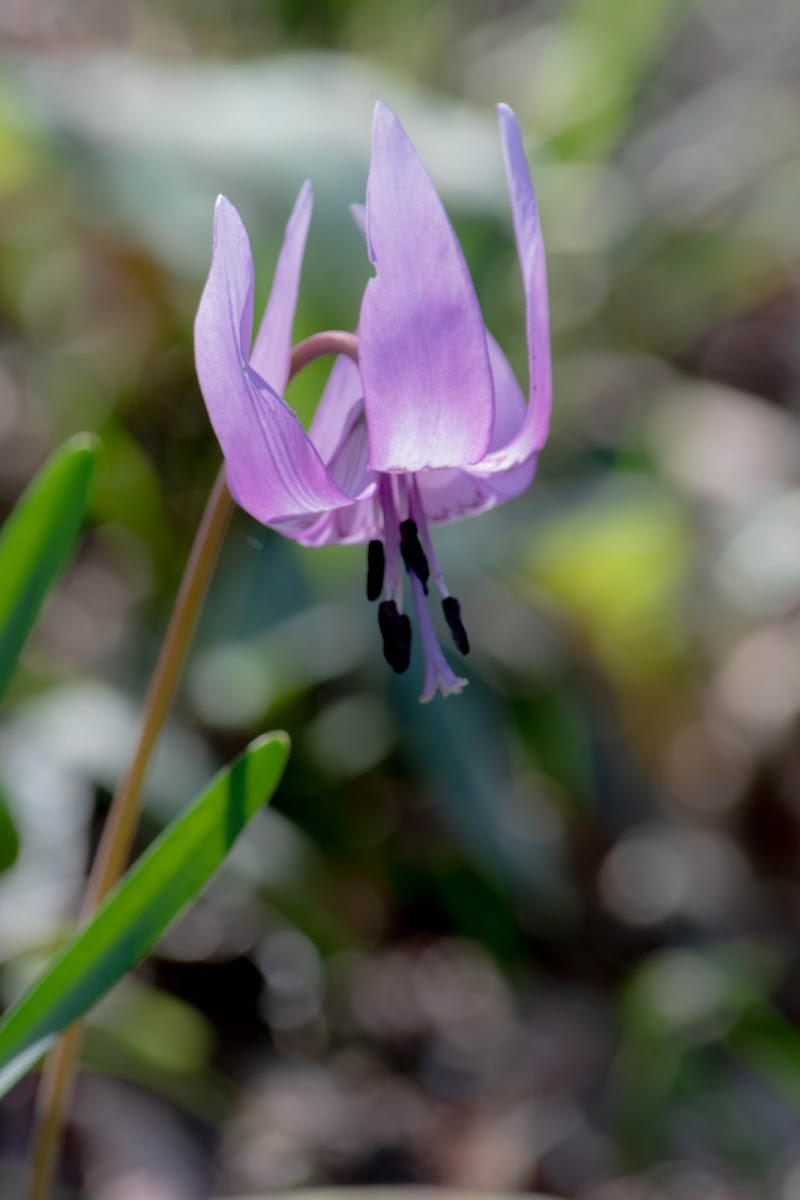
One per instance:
(431, 425)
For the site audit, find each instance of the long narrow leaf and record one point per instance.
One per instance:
(152, 893)
(36, 541)
(11, 1074)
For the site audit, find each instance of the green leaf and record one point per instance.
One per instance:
(140, 908)
(19, 1066)
(37, 540)
(9, 838)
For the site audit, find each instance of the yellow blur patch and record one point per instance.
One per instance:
(617, 564)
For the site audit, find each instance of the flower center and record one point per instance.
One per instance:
(407, 540)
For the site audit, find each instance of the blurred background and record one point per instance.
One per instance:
(544, 935)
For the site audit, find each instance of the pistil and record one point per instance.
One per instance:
(439, 676)
(450, 605)
(409, 541)
(393, 582)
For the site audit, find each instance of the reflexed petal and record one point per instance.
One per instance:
(273, 344)
(222, 330)
(448, 494)
(532, 434)
(340, 399)
(349, 467)
(424, 360)
(355, 525)
(273, 470)
(228, 294)
(509, 401)
(358, 522)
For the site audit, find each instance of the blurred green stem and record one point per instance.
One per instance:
(115, 845)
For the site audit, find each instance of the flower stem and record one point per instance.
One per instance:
(115, 845)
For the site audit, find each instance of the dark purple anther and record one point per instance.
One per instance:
(412, 552)
(452, 614)
(395, 630)
(376, 564)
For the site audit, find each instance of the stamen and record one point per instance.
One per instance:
(452, 614)
(393, 581)
(376, 564)
(450, 606)
(413, 554)
(395, 630)
(417, 510)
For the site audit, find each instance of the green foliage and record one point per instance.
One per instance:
(37, 541)
(152, 893)
(612, 802)
(9, 837)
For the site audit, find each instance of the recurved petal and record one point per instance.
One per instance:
(347, 467)
(424, 360)
(359, 521)
(509, 402)
(222, 328)
(340, 400)
(273, 344)
(273, 469)
(357, 524)
(227, 299)
(448, 494)
(532, 433)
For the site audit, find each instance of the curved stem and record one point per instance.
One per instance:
(332, 341)
(118, 833)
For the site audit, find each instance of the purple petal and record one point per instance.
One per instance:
(229, 287)
(509, 402)
(532, 433)
(356, 525)
(424, 361)
(340, 400)
(273, 469)
(273, 344)
(448, 495)
(348, 467)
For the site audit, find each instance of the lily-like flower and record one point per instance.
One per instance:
(424, 423)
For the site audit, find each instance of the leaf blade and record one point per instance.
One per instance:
(148, 898)
(37, 540)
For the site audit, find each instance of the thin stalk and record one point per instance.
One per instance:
(59, 1070)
